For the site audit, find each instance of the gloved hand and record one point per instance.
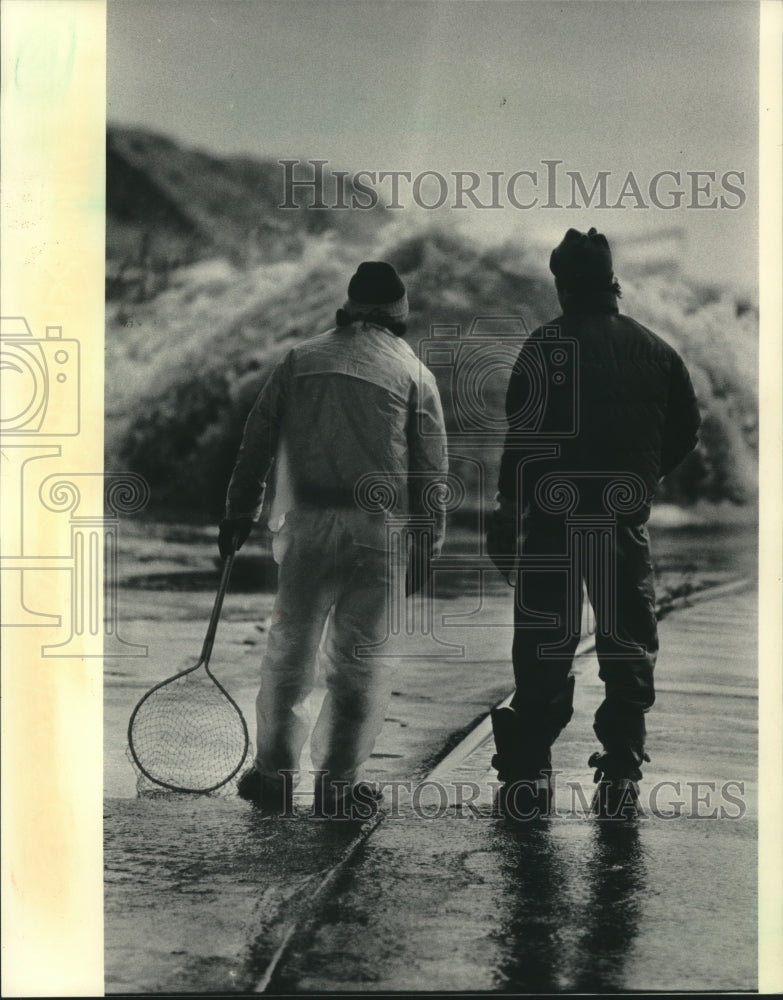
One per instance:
(502, 539)
(419, 571)
(232, 534)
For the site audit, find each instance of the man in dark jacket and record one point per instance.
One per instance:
(599, 410)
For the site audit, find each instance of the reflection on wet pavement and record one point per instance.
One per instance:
(569, 930)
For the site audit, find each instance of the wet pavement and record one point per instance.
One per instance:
(454, 905)
(204, 895)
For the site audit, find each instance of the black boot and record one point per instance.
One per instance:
(617, 774)
(274, 797)
(524, 767)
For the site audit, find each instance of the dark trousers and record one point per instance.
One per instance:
(614, 562)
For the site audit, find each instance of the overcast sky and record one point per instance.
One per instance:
(477, 85)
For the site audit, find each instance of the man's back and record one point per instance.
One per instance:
(355, 393)
(347, 410)
(634, 410)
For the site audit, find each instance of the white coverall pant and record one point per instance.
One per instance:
(324, 574)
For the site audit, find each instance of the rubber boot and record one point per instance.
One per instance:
(617, 775)
(524, 767)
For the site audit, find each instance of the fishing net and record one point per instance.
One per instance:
(187, 734)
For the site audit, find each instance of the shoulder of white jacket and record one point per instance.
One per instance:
(416, 367)
(315, 341)
(390, 342)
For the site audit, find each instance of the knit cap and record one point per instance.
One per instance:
(581, 258)
(376, 287)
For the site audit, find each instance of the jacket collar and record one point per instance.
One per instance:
(600, 302)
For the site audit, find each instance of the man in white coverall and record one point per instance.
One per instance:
(354, 424)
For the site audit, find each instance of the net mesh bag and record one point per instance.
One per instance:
(187, 735)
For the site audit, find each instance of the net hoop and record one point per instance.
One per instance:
(185, 789)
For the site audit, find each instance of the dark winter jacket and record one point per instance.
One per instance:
(599, 410)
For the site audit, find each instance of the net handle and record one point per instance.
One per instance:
(209, 639)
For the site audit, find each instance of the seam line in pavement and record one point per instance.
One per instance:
(310, 906)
